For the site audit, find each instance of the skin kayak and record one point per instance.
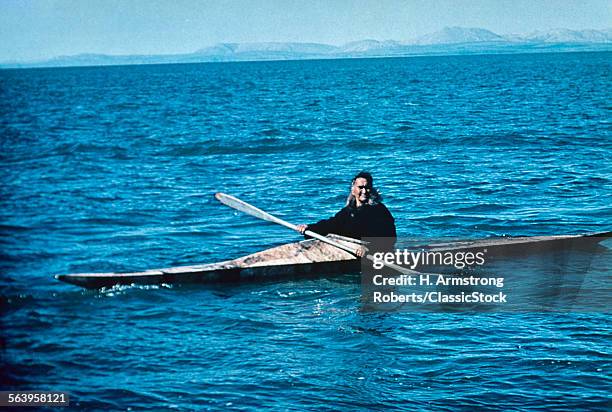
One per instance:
(312, 258)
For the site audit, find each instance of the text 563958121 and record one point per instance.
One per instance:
(33, 398)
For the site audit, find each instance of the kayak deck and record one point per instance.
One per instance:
(292, 259)
(311, 257)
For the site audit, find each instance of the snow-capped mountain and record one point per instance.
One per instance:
(449, 40)
(452, 35)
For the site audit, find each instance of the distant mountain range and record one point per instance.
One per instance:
(450, 40)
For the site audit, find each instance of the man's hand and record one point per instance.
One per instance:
(361, 251)
(302, 228)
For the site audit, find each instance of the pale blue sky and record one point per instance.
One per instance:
(37, 29)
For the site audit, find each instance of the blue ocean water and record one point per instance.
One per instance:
(114, 169)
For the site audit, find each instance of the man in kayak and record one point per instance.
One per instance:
(364, 215)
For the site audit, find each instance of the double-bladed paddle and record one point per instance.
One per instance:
(249, 209)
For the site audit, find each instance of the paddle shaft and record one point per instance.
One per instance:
(249, 209)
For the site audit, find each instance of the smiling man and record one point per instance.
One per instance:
(364, 215)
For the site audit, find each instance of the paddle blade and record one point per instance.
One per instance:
(243, 206)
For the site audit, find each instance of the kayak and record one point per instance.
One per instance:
(292, 259)
(311, 258)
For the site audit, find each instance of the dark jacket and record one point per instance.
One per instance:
(365, 221)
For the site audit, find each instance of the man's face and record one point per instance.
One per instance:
(361, 190)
